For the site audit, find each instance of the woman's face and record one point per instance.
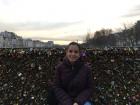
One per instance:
(73, 53)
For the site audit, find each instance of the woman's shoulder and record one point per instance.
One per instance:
(86, 67)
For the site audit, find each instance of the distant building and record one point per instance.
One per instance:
(50, 44)
(11, 40)
(19, 42)
(14, 43)
(1, 41)
(25, 43)
(7, 39)
(38, 44)
(28, 43)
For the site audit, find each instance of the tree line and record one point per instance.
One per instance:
(129, 36)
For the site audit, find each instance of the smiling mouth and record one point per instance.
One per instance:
(73, 57)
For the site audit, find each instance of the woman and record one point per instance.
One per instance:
(73, 80)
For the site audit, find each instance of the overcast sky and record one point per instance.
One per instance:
(67, 20)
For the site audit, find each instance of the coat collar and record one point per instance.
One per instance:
(77, 64)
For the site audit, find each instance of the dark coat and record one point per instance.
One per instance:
(72, 83)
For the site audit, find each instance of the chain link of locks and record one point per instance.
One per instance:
(24, 76)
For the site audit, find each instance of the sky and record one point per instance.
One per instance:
(65, 20)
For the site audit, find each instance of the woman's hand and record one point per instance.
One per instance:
(75, 103)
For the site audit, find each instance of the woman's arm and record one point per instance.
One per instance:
(60, 94)
(86, 94)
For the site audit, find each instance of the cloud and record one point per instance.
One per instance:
(65, 38)
(7, 2)
(36, 26)
(133, 12)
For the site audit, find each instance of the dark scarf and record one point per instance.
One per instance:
(75, 65)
